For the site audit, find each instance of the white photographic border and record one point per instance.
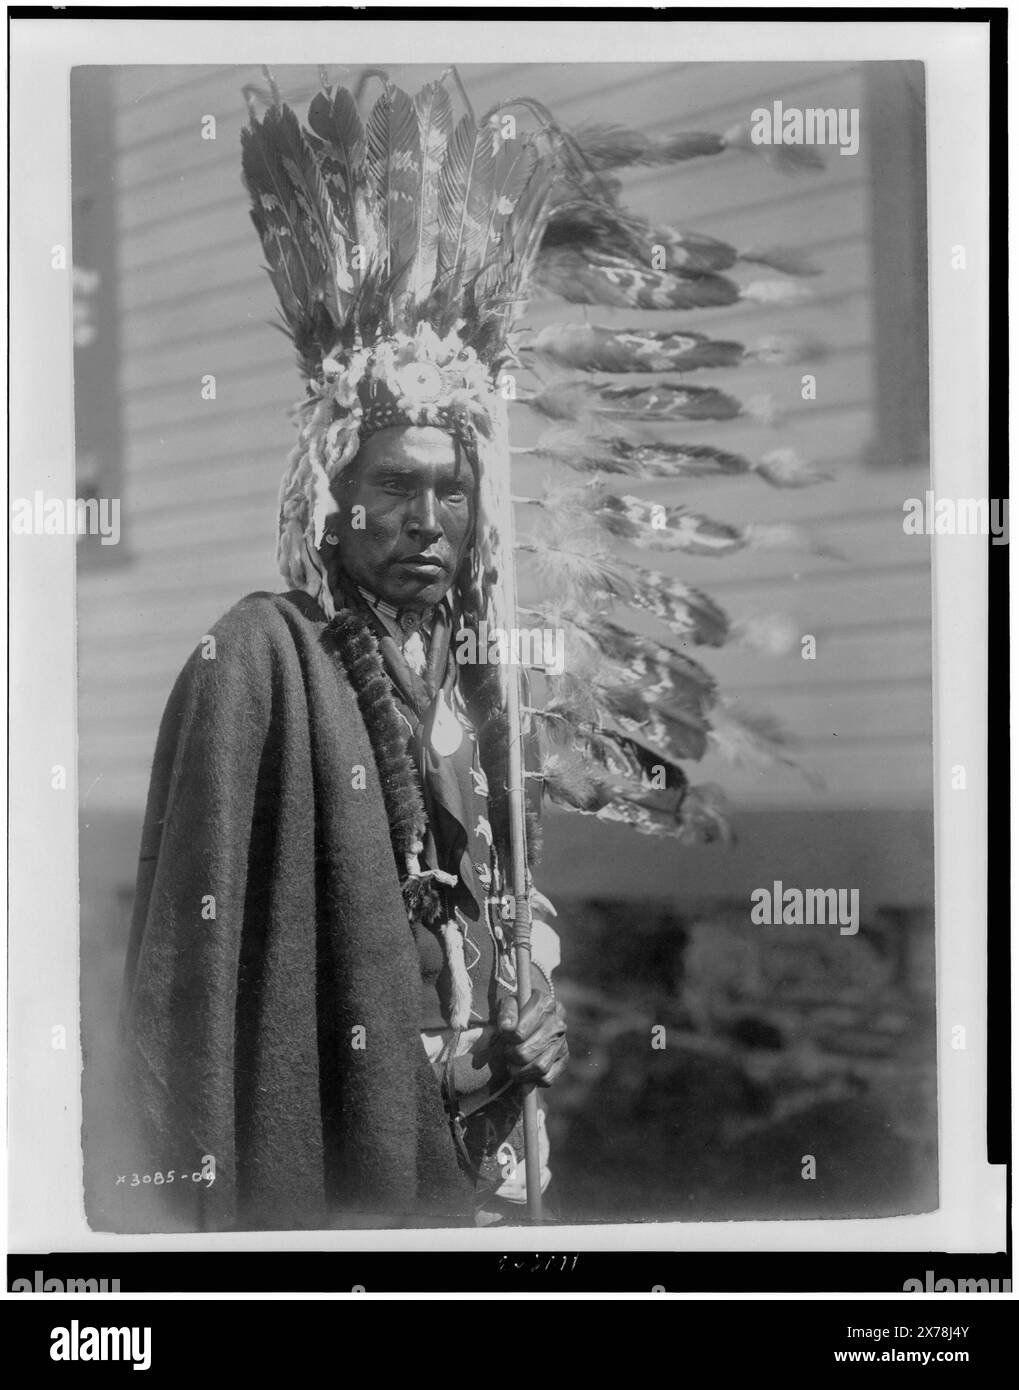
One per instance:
(45, 1177)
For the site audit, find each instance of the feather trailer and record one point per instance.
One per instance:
(662, 401)
(652, 526)
(601, 226)
(650, 714)
(665, 400)
(704, 819)
(785, 468)
(588, 347)
(752, 740)
(613, 657)
(685, 611)
(580, 571)
(627, 757)
(692, 253)
(570, 708)
(626, 283)
(653, 665)
(774, 292)
(656, 721)
(575, 566)
(640, 731)
(691, 815)
(789, 260)
(569, 398)
(644, 809)
(785, 350)
(772, 634)
(615, 147)
(572, 781)
(596, 453)
(631, 759)
(785, 159)
(592, 223)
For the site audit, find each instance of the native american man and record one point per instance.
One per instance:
(298, 1031)
(320, 986)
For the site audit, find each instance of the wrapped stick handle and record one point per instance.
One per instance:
(522, 928)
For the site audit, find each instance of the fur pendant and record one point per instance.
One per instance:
(357, 648)
(354, 643)
(423, 901)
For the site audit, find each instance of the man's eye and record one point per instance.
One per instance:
(456, 496)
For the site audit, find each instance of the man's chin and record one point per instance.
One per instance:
(421, 591)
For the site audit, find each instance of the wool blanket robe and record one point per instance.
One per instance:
(272, 980)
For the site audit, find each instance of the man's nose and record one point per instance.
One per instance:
(424, 520)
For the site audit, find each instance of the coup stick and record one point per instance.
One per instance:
(502, 505)
(522, 928)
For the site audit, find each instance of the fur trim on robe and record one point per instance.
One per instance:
(242, 1029)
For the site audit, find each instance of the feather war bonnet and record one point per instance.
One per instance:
(403, 241)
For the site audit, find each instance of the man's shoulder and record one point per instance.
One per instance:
(261, 632)
(260, 619)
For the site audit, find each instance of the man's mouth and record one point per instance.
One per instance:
(423, 564)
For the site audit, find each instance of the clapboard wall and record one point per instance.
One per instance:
(198, 478)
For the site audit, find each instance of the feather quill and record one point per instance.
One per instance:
(340, 150)
(393, 164)
(465, 188)
(296, 244)
(435, 124)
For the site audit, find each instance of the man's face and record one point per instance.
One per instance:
(418, 499)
